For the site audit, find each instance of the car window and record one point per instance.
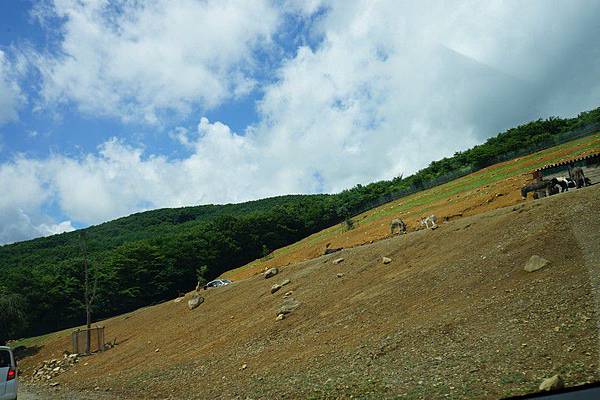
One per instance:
(4, 359)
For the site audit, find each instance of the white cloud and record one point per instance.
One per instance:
(142, 60)
(391, 87)
(11, 95)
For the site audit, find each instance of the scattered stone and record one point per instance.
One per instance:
(54, 384)
(287, 294)
(338, 260)
(553, 383)
(331, 250)
(157, 350)
(285, 282)
(339, 275)
(386, 260)
(289, 305)
(52, 368)
(178, 300)
(280, 317)
(195, 302)
(275, 288)
(244, 366)
(271, 272)
(535, 263)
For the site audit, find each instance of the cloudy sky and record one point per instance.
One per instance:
(112, 107)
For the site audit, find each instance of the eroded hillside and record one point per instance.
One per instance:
(452, 315)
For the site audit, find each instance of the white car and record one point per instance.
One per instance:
(8, 374)
(217, 283)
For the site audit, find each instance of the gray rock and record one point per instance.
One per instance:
(338, 260)
(386, 260)
(339, 274)
(289, 305)
(535, 263)
(287, 294)
(195, 302)
(285, 282)
(280, 317)
(271, 272)
(553, 383)
(275, 288)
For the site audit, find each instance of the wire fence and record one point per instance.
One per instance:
(87, 341)
(552, 141)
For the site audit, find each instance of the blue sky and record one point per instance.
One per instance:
(109, 108)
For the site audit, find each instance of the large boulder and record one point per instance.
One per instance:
(271, 272)
(195, 302)
(289, 305)
(275, 288)
(535, 263)
(553, 383)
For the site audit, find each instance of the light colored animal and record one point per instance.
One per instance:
(397, 224)
(431, 220)
(578, 177)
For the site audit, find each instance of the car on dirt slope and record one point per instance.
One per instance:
(217, 283)
(8, 374)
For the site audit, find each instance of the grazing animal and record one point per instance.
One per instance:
(578, 177)
(397, 224)
(431, 220)
(538, 186)
(564, 183)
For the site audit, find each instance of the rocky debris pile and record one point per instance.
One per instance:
(278, 286)
(271, 272)
(535, 262)
(52, 368)
(195, 302)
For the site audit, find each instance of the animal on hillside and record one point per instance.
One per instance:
(564, 183)
(429, 222)
(538, 187)
(397, 225)
(579, 177)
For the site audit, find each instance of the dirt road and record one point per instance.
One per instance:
(28, 391)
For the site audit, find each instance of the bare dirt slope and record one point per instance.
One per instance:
(488, 189)
(454, 315)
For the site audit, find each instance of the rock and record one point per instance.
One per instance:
(178, 300)
(271, 272)
(157, 350)
(280, 317)
(285, 282)
(289, 305)
(244, 366)
(535, 263)
(553, 383)
(386, 260)
(275, 288)
(338, 260)
(339, 274)
(195, 302)
(287, 294)
(332, 250)
(54, 384)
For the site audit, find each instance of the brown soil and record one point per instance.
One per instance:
(488, 189)
(452, 316)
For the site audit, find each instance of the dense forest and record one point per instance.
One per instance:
(152, 256)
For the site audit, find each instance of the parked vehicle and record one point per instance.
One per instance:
(8, 374)
(217, 283)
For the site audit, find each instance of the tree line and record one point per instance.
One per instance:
(152, 256)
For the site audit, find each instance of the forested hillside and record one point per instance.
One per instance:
(152, 256)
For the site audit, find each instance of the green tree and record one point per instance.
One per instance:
(13, 318)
